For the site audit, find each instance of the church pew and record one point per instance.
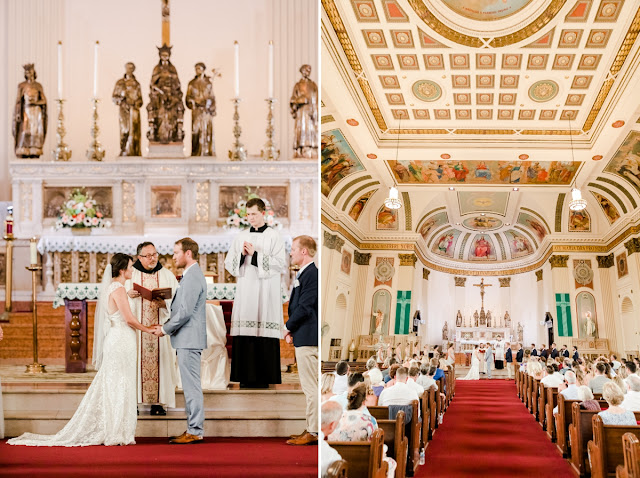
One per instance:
(552, 402)
(364, 457)
(605, 450)
(426, 418)
(580, 432)
(542, 404)
(338, 469)
(396, 441)
(412, 432)
(518, 378)
(563, 419)
(631, 451)
(444, 389)
(534, 397)
(529, 390)
(433, 412)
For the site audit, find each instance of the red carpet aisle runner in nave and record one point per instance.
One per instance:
(488, 432)
(154, 457)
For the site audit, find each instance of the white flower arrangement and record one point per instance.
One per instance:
(81, 211)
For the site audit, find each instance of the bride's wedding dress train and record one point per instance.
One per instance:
(474, 371)
(107, 414)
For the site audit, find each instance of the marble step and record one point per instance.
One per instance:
(277, 422)
(214, 400)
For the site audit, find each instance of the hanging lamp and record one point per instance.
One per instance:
(393, 200)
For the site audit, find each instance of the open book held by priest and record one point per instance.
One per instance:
(152, 294)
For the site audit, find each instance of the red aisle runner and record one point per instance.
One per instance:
(488, 432)
(154, 457)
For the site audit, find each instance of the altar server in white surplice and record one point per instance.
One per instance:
(257, 260)
(156, 358)
(499, 353)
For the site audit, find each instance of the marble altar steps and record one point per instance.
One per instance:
(46, 407)
(17, 345)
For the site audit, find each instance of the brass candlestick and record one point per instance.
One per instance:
(8, 236)
(35, 367)
(238, 153)
(95, 151)
(62, 151)
(270, 153)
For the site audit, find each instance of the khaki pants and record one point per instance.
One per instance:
(510, 367)
(307, 359)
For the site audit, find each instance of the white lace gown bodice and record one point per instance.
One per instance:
(107, 414)
(474, 371)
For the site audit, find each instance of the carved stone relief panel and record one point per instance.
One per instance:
(202, 201)
(101, 264)
(65, 267)
(83, 267)
(278, 197)
(212, 263)
(304, 211)
(26, 201)
(128, 202)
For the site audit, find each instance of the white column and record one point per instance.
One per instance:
(610, 316)
(360, 318)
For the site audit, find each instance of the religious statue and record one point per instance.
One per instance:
(476, 316)
(407, 351)
(488, 318)
(128, 96)
(445, 331)
(30, 116)
(520, 333)
(459, 319)
(507, 319)
(304, 109)
(379, 319)
(202, 103)
(165, 108)
(589, 325)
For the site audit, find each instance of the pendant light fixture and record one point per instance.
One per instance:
(393, 201)
(577, 202)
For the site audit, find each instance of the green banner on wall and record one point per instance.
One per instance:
(563, 315)
(403, 312)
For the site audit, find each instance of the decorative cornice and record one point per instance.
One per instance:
(413, 247)
(632, 245)
(558, 261)
(504, 281)
(539, 275)
(425, 274)
(460, 281)
(408, 259)
(604, 262)
(332, 241)
(361, 258)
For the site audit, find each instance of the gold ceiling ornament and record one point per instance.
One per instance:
(476, 42)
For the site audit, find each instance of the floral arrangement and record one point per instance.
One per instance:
(238, 215)
(80, 211)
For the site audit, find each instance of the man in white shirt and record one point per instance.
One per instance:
(553, 378)
(571, 392)
(411, 381)
(330, 417)
(631, 371)
(615, 364)
(400, 393)
(426, 378)
(342, 378)
(632, 398)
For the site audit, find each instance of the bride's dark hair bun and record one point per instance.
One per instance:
(119, 262)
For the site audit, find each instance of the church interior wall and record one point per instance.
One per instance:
(130, 31)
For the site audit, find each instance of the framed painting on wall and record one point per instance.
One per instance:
(345, 265)
(166, 201)
(621, 265)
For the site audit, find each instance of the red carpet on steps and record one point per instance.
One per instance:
(488, 432)
(154, 457)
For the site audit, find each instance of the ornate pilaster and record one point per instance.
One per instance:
(504, 281)
(332, 241)
(425, 274)
(632, 245)
(558, 261)
(460, 281)
(408, 259)
(361, 258)
(604, 262)
(202, 201)
(539, 275)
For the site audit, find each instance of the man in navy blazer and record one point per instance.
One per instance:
(302, 331)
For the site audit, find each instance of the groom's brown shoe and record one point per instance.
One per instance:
(298, 435)
(306, 439)
(178, 436)
(187, 439)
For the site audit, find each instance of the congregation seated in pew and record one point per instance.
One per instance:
(329, 418)
(326, 386)
(400, 393)
(353, 380)
(615, 414)
(342, 375)
(632, 398)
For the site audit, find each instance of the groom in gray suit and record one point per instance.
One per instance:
(488, 354)
(187, 328)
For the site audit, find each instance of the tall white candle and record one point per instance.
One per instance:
(59, 70)
(34, 251)
(95, 70)
(271, 69)
(236, 55)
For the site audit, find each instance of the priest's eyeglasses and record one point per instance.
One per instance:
(150, 256)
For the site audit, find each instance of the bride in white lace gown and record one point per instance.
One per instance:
(474, 371)
(107, 414)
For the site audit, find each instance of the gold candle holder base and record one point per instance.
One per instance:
(35, 368)
(270, 151)
(95, 151)
(238, 152)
